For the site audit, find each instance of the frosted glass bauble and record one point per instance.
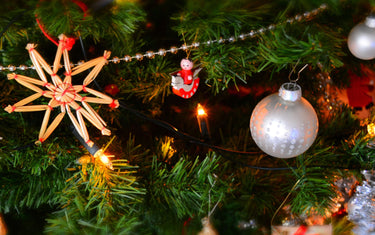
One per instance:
(361, 206)
(284, 125)
(361, 39)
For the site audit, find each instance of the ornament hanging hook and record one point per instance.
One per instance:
(209, 200)
(187, 50)
(298, 74)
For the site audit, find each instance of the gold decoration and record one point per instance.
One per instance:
(371, 129)
(3, 227)
(62, 93)
(208, 228)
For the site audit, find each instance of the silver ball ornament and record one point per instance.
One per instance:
(361, 39)
(284, 125)
(361, 206)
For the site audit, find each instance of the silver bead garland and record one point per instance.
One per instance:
(162, 52)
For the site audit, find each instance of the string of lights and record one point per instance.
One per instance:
(162, 52)
(225, 153)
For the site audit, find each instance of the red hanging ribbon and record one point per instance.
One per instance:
(69, 42)
(83, 7)
(44, 31)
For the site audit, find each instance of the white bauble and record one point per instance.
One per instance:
(284, 125)
(361, 39)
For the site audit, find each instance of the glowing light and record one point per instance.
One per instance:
(104, 159)
(200, 110)
(371, 129)
(202, 118)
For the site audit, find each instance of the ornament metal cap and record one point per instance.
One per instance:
(290, 91)
(369, 176)
(370, 21)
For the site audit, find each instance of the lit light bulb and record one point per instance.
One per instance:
(200, 111)
(95, 151)
(104, 158)
(371, 129)
(371, 135)
(203, 122)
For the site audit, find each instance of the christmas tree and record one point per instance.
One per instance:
(101, 132)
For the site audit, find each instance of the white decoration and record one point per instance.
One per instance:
(361, 39)
(284, 125)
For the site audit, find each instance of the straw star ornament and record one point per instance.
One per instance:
(63, 93)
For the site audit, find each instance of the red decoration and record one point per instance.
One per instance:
(301, 230)
(358, 91)
(186, 81)
(186, 91)
(340, 213)
(83, 7)
(114, 105)
(111, 89)
(68, 43)
(149, 25)
(186, 72)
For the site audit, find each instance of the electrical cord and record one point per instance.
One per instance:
(181, 135)
(224, 151)
(196, 141)
(12, 21)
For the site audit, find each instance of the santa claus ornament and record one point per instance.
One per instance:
(185, 82)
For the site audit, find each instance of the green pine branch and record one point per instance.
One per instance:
(13, 32)
(313, 46)
(33, 176)
(172, 187)
(188, 189)
(98, 200)
(149, 81)
(66, 17)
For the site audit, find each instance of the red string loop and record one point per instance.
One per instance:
(114, 104)
(44, 32)
(69, 42)
(83, 7)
